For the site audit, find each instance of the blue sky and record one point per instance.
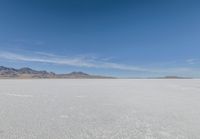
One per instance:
(126, 38)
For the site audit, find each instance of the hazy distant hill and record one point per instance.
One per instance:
(174, 77)
(26, 72)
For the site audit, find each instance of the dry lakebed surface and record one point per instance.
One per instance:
(100, 109)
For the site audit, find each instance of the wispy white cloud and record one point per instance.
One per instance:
(94, 62)
(192, 61)
(80, 61)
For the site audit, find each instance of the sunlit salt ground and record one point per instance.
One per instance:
(100, 109)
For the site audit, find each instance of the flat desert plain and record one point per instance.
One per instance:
(100, 109)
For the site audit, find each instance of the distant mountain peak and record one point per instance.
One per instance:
(78, 73)
(25, 68)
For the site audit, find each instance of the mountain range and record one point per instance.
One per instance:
(28, 73)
